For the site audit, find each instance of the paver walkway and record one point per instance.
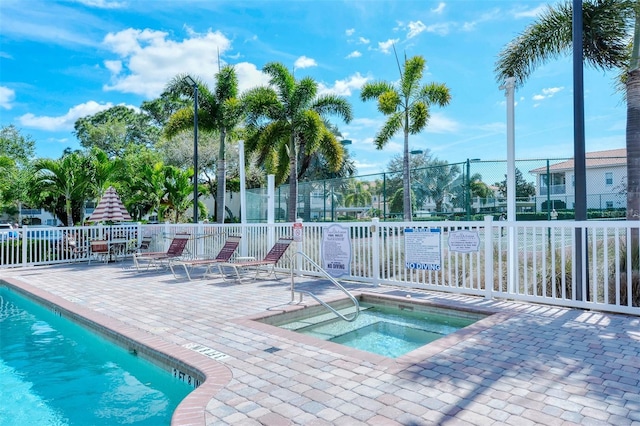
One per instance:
(536, 365)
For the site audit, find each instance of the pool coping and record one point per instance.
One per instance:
(212, 375)
(391, 365)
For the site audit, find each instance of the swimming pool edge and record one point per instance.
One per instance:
(213, 375)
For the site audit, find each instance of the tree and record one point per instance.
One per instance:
(439, 181)
(407, 105)
(357, 194)
(219, 111)
(285, 120)
(608, 26)
(524, 189)
(418, 162)
(16, 154)
(16, 146)
(113, 129)
(103, 170)
(60, 186)
(141, 181)
(177, 193)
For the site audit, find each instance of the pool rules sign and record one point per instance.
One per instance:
(336, 250)
(422, 248)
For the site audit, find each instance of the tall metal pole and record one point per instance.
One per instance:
(467, 191)
(509, 87)
(195, 153)
(579, 150)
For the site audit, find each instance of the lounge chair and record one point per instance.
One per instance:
(265, 266)
(224, 255)
(138, 247)
(175, 250)
(99, 249)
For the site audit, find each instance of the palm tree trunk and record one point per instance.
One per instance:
(406, 184)
(221, 190)
(293, 179)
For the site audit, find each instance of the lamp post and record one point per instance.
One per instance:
(192, 82)
(467, 192)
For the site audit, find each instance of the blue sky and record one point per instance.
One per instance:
(61, 60)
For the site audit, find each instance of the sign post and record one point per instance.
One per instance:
(297, 232)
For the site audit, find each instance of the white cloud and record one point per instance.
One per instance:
(438, 123)
(416, 28)
(354, 54)
(440, 8)
(547, 93)
(362, 40)
(6, 97)
(249, 76)
(530, 13)
(350, 31)
(485, 17)
(552, 91)
(103, 4)
(441, 28)
(5, 55)
(344, 87)
(64, 122)
(384, 46)
(148, 59)
(304, 62)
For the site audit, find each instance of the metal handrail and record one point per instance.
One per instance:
(317, 299)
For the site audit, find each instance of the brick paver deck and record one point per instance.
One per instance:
(530, 364)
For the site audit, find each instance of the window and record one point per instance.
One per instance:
(608, 178)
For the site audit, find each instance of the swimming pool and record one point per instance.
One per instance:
(385, 326)
(55, 372)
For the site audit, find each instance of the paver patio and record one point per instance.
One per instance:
(534, 364)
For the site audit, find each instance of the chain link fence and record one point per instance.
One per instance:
(466, 190)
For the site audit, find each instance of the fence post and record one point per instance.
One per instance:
(25, 243)
(375, 249)
(488, 256)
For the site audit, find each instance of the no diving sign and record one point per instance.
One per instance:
(297, 232)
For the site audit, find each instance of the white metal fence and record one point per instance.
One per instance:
(589, 265)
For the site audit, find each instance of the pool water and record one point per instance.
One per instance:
(391, 331)
(56, 372)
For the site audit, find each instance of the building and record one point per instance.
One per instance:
(606, 175)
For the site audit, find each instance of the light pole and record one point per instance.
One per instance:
(192, 82)
(467, 192)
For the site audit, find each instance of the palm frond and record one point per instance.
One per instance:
(413, 70)
(393, 124)
(419, 115)
(374, 90)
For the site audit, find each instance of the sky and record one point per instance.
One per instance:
(63, 60)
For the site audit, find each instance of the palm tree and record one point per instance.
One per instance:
(608, 26)
(439, 181)
(65, 179)
(218, 111)
(407, 105)
(177, 193)
(286, 120)
(103, 170)
(358, 194)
